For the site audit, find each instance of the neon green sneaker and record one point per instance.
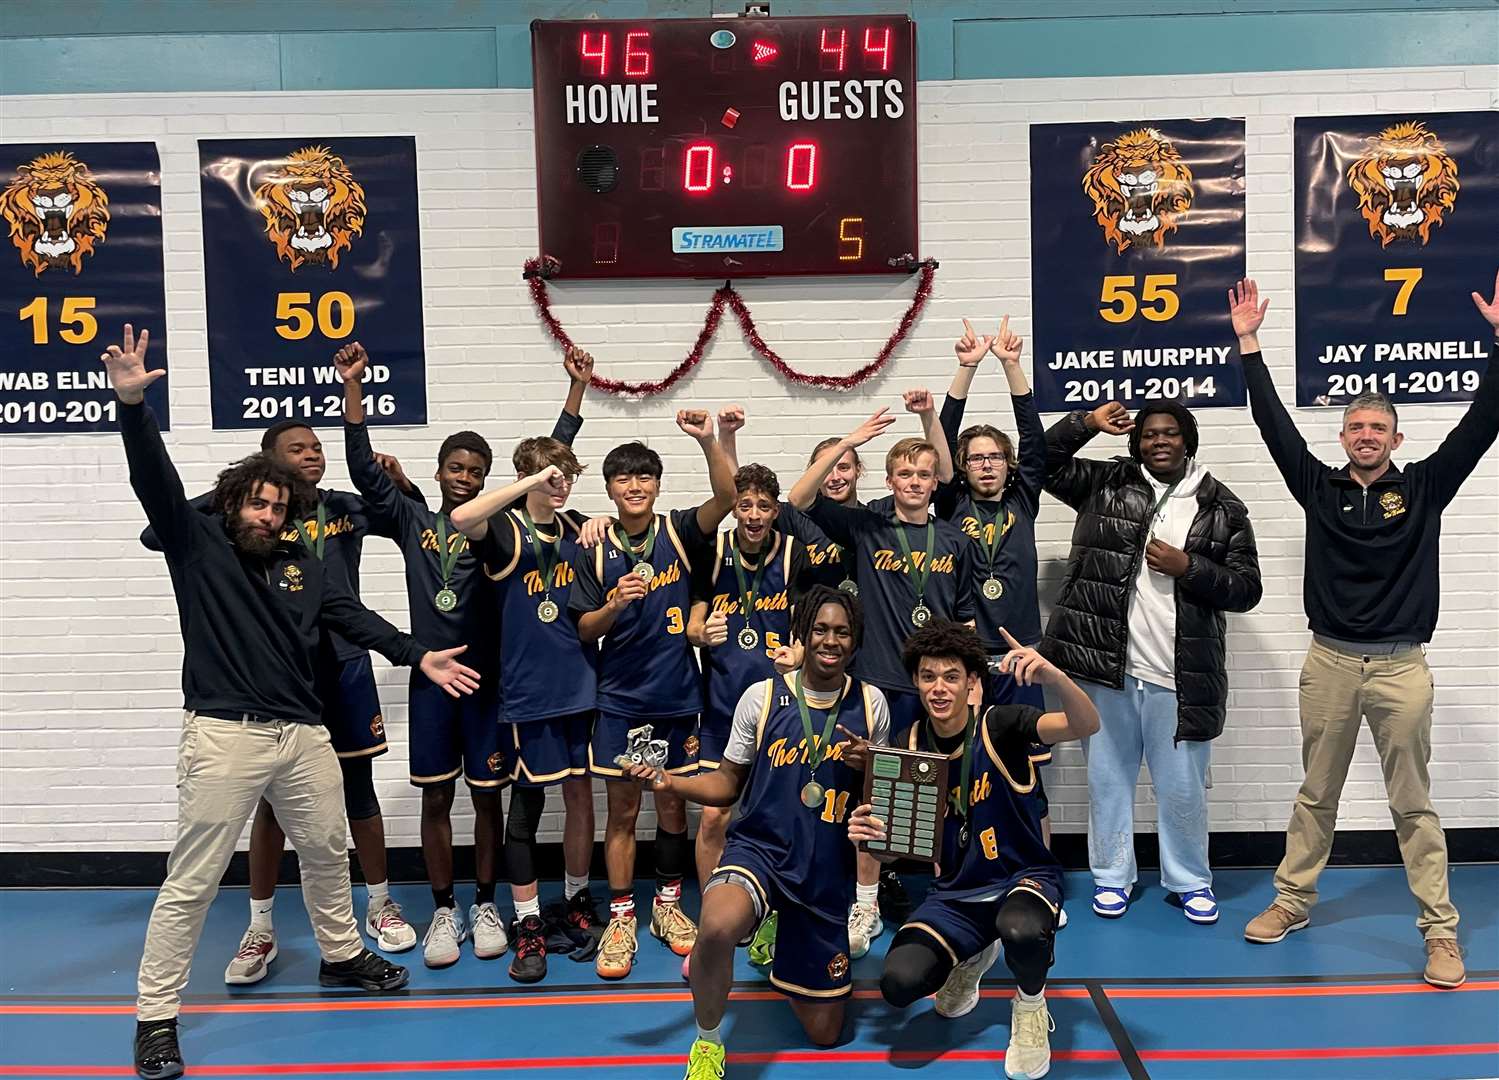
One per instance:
(762, 950)
(705, 1062)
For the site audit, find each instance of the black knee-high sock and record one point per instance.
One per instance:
(1027, 926)
(526, 805)
(915, 967)
(673, 854)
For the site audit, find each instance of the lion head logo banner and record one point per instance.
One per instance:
(1406, 183)
(55, 212)
(1140, 186)
(313, 208)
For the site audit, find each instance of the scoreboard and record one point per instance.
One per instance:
(726, 147)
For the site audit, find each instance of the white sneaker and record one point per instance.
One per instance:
(1029, 1054)
(253, 961)
(1061, 918)
(391, 932)
(864, 925)
(489, 931)
(960, 993)
(447, 932)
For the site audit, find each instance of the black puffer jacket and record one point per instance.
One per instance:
(1087, 635)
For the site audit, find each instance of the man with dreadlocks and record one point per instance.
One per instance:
(787, 850)
(1160, 551)
(253, 609)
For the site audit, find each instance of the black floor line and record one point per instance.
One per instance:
(613, 987)
(1115, 1027)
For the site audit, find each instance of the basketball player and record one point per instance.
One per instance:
(786, 850)
(530, 552)
(450, 600)
(635, 594)
(996, 881)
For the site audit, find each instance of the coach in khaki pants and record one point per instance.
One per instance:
(1371, 590)
(252, 607)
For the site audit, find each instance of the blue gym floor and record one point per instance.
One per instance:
(1149, 996)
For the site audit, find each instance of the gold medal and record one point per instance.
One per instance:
(547, 611)
(813, 794)
(993, 590)
(749, 637)
(644, 571)
(850, 586)
(920, 615)
(446, 600)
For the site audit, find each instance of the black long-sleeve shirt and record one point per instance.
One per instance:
(1372, 552)
(250, 625)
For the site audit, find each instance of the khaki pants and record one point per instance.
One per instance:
(223, 769)
(1394, 694)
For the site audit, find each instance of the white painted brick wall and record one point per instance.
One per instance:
(89, 641)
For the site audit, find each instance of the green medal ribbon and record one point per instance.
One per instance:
(990, 547)
(918, 577)
(322, 531)
(555, 547)
(817, 750)
(965, 773)
(1150, 521)
(748, 593)
(644, 554)
(446, 559)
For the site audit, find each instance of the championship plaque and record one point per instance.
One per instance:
(908, 790)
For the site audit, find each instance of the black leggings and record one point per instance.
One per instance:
(917, 965)
(360, 802)
(526, 804)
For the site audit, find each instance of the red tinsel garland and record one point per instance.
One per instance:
(728, 296)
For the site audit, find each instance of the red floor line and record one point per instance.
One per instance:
(783, 1057)
(1311, 990)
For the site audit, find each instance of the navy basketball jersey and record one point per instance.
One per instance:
(544, 669)
(729, 669)
(807, 847)
(646, 666)
(1004, 829)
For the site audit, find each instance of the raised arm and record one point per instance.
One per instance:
(372, 481)
(970, 349)
(919, 401)
(1078, 718)
(153, 477)
(1474, 434)
(1031, 453)
(472, 518)
(1301, 471)
(698, 424)
(1069, 477)
(730, 420)
(579, 367)
(804, 492)
(203, 504)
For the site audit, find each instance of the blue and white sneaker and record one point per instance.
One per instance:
(1200, 905)
(1109, 902)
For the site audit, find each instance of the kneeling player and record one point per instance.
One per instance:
(997, 881)
(786, 850)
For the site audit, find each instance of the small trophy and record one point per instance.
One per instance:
(641, 749)
(908, 790)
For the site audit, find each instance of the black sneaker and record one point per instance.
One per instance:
(368, 971)
(895, 904)
(157, 1056)
(582, 915)
(529, 964)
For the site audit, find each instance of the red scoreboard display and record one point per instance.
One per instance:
(726, 147)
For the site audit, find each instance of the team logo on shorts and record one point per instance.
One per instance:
(1392, 504)
(377, 726)
(838, 966)
(55, 212)
(690, 746)
(313, 208)
(1140, 186)
(291, 578)
(496, 759)
(1406, 183)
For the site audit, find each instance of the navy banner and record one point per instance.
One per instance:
(84, 258)
(1397, 219)
(309, 244)
(1137, 232)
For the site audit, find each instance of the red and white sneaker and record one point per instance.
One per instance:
(391, 931)
(253, 961)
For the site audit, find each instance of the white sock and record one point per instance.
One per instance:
(378, 894)
(260, 912)
(572, 886)
(1031, 999)
(867, 894)
(528, 907)
(709, 1035)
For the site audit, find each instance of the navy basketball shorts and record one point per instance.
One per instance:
(811, 958)
(452, 736)
(965, 928)
(351, 711)
(713, 737)
(611, 735)
(550, 750)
